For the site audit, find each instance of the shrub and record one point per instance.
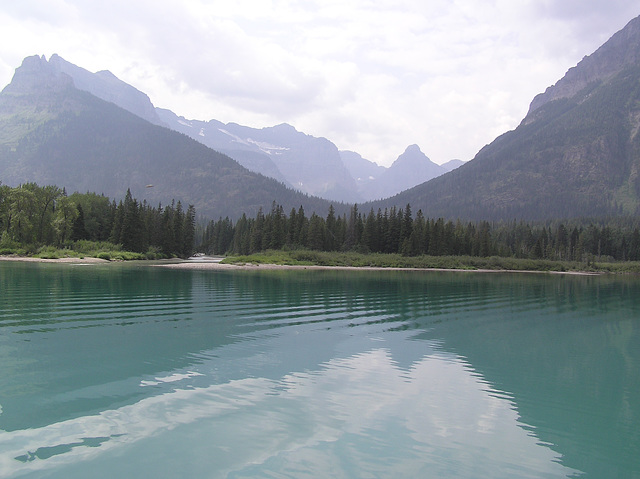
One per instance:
(86, 246)
(49, 252)
(6, 250)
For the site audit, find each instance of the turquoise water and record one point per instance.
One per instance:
(139, 371)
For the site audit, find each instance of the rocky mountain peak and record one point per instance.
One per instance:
(413, 149)
(412, 155)
(36, 74)
(620, 51)
(107, 86)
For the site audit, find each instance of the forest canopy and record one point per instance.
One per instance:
(32, 215)
(395, 230)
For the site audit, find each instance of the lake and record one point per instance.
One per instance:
(129, 370)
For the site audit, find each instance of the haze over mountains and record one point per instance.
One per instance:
(576, 152)
(53, 133)
(306, 163)
(311, 165)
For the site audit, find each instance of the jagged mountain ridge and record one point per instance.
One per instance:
(576, 154)
(362, 170)
(213, 134)
(107, 86)
(309, 164)
(53, 133)
(620, 51)
(410, 169)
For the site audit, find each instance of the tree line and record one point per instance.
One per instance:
(46, 215)
(396, 230)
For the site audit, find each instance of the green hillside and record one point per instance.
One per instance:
(52, 133)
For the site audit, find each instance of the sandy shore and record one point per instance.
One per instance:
(215, 265)
(29, 259)
(195, 265)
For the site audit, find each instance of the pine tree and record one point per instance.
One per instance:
(257, 229)
(169, 243)
(316, 238)
(241, 236)
(78, 230)
(370, 235)
(302, 229)
(332, 243)
(292, 227)
(407, 224)
(132, 230)
(116, 229)
(188, 231)
(417, 237)
(178, 231)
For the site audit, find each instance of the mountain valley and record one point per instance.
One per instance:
(575, 154)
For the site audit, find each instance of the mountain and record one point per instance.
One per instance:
(107, 86)
(618, 53)
(215, 135)
(309, 164)
(452, 165)
(575, 154)
(312, 165)
(362, 170)
(410, 169)
(51, 132)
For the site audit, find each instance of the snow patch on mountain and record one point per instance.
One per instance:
(267, 147)
(263, 146)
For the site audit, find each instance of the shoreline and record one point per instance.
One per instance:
(215, 265)
(194, 265)
(68, 260)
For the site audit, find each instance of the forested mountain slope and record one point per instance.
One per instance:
(577, 153)
(53, 133)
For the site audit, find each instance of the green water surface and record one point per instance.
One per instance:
(142, 371)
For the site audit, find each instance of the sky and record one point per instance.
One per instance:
(373, 76)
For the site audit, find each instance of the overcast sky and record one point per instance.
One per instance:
(373, 76)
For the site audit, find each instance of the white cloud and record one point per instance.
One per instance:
(299, 420)
(373, 77)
